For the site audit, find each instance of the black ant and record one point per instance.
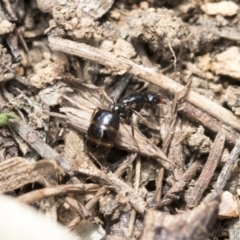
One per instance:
(105, 123)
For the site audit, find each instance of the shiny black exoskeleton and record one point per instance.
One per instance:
(102, 131)
(135, 102)
(105, 123)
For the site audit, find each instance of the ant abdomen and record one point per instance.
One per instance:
(102, 132)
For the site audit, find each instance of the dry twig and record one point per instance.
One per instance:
(159, 183)
(226, 171)
(180, 185)
(118, 186)
(207, 171)
(56, 191)
(89, 205)
(136, 187)
(206, 120)
(122, 65)
(16, 172)
(43, 149)
(192, 224)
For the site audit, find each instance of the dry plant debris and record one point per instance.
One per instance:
(17, 172)
(232, 98)
(207, 171)
(173, 174)
(188, 225)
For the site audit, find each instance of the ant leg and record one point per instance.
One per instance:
(134, 137)
(147, 123)
(113, 99)
(95, 110)
(132, 133)
(96, 160)
(90, 154)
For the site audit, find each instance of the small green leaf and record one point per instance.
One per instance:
(4, 118)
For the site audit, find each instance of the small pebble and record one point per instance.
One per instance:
(115, 15)
(124, 49)
(6, 27)
(228, 63)
(224, 8)
(228, 207)
(62, 2)
(144, 5)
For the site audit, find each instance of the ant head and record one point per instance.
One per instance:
(154, 98)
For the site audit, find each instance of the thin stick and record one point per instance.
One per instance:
(122, 65)
(203, 118)
(180, 185)
(136, 187)
(57, 190)
(43, 149)
(118, 186)
(159, 182)
(92, 202)
(226, 171)
(207, 171)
